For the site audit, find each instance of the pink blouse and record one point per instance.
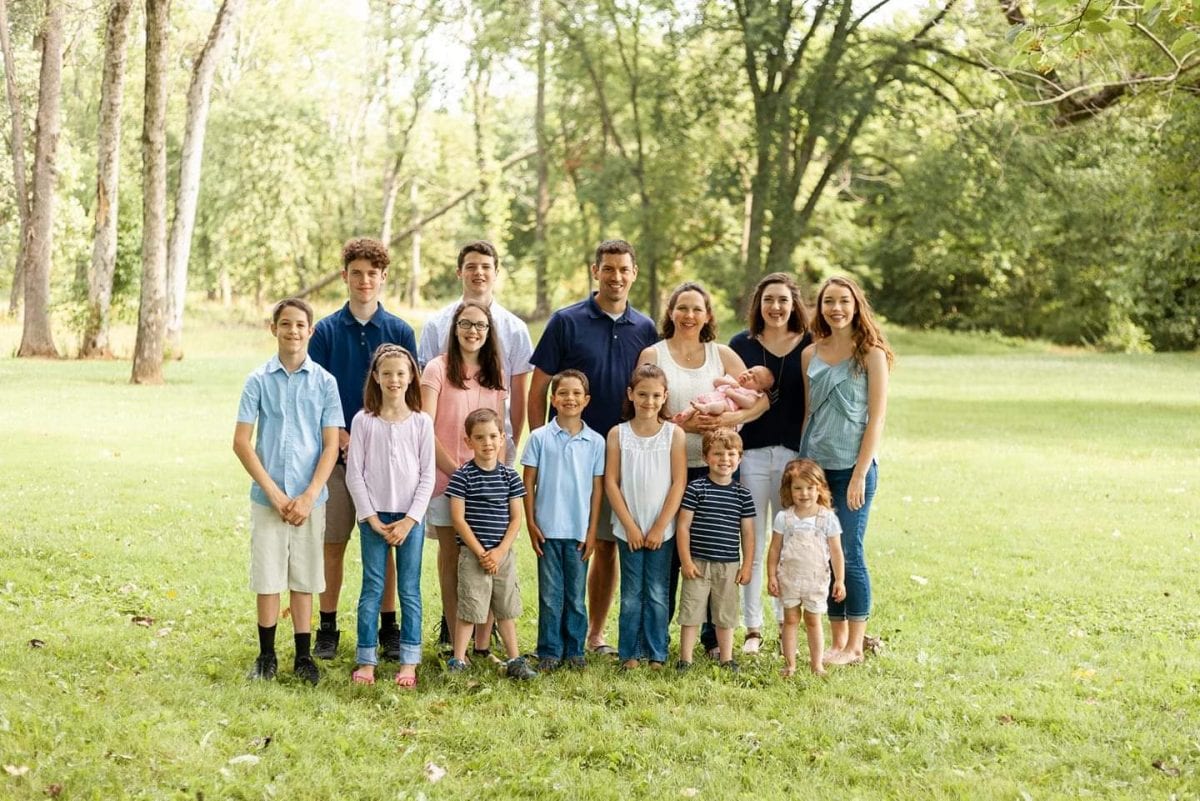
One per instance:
(453, 406)
(390, 466)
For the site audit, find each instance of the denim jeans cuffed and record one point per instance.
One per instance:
(408, 589)
(857, 605)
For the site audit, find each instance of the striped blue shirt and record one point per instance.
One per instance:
(486, 494)
(718, 511)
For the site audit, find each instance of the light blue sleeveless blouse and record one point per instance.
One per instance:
(837, 398)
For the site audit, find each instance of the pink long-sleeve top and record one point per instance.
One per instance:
(390, 466)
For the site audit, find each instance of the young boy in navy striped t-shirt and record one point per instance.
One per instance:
(485, 508)
(716, 516)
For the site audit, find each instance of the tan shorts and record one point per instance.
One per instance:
(479, 593)
(340, 517)
(283, 556)
(604, 528)
(716, 590)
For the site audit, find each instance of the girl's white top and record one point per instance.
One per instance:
(804, 558)
(685, 383)
(645, 477)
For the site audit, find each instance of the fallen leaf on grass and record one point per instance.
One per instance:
(286, 613)
(1005, 720)
(1083, 674)
(15, 770)
(689, 792)
(244, 759)
(163, 632)
(142, 620)
(1160, 765)
(53, 790)
(920, 580)
(434, 773)
(261, 742)
(37, 643)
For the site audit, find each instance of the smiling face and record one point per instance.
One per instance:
(364, 281)
(614, 275)
(805, 493)
(569, 398)
(837, 307)
(471, 329)
(478, 275)
(722, 462)
(292, 331)
(690, 313)
(776, 306)
(394, 375)
(647, 397)
(485, 440)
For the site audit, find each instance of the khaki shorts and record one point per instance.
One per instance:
(604, 528)
(479, 593)
(283, 556)
(816, 602)
(340, 517)
(716, 590)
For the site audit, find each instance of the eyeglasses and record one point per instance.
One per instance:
(466, 325)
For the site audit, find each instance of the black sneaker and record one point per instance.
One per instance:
(576, 663)
(683, 666)
(445, 644)
(264, 668)
(548, 665)
(326, 644)
(519, 669)
(389, 643)
(731, 666)
(306, 670)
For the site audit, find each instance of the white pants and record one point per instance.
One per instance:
(762, 470)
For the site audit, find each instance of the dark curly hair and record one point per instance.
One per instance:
(372, 250)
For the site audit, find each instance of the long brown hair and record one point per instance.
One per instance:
(805, 470)
(797, 320)
(644, 372)
(708, 331)
(491, 368)
(864, 329)
(373, 393)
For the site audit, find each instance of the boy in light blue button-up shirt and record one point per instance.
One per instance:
(294, 402)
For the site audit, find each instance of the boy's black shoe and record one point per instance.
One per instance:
(683, 666)
(327, 643)
(519, 669)
(548, 665)
(731, 666)
(389, 643)
(264, 668)
(576, 663)
(306, 670)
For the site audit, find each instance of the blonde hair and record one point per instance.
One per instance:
(721, 438)
(805, 470)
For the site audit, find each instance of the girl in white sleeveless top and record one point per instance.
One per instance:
(644, 478)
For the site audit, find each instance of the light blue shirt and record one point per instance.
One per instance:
(566, 465)
(289, 410)
(837, 403)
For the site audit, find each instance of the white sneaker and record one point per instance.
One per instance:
(753, 643)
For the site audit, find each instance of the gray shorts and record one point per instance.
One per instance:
(479, 592)
(604, 528)
(716, 590)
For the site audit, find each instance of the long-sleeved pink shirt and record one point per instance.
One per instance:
(390, 466)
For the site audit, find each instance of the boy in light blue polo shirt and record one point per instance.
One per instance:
(294, 403)
(564, 468)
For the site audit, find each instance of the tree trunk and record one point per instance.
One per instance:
(108, 170)
(199, 94)
(541, 306)
(151, 330)
(414, 274)
(36, 336)
(18, 156)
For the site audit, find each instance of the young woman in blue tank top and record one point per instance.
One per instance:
(845, 390)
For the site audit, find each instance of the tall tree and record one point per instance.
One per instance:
(198, 98)
(541, 210)
(37, 339)
(815, 76)
(151, 330)
(108, 171)
(18, 156)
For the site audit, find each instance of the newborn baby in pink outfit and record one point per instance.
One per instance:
(730, 394)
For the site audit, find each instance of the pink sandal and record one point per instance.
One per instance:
(357, 677)
(406, 682)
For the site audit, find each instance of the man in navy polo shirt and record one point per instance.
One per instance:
(602, 337)
(343, 343)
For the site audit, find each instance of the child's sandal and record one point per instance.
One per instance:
(787, 672)
(357, 676)
(406, 682)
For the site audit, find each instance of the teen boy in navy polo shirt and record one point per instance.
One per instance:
(343, 344)
(601, 337)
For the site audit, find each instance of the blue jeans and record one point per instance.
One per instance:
(408, 588)
(857, 605)
(642, 624)
(562, 616)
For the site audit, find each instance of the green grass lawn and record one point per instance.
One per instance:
(1034, 554)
